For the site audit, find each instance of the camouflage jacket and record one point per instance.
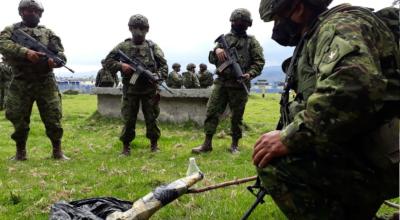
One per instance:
(190, 80)
(15, 55)
(251, 59)
(149, 54)
(174, 80)
(205, 79)
(347, 82)
(5, 74)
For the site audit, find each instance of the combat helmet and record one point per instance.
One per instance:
(202, 65)
(30, 3)
(268, 8)
(241, 14)
(138, 20)
(176, 65)
(190, 66)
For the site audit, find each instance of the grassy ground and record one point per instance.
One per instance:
(28, 189)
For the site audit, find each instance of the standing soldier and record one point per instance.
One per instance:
(190, 80)
(106, 78)
(205, 77)
(335, 153)
(174, 78)
(227, 90)
(142, 92)
(5, 79)
(33, 79)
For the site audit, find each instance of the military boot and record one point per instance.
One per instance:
(57, 152)
(154, 145)
(20, 155)
(234, 146)
(205, 147)
(126, 151)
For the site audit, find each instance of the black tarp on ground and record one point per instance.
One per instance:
(88, 209)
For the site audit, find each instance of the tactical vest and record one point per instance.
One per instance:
(242, 45)
(24, 69)
(145, 53)
(381, 144)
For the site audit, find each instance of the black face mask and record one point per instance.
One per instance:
(31, 20)
(286, 32)
(239, 29)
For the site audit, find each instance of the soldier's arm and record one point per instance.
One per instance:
(110, 62)
(8, 48)
(257, 58)
(162, 62)
(348, 90)
(55, 45)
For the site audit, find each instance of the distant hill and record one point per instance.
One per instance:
(272, 74)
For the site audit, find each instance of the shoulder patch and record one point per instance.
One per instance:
(334, 53)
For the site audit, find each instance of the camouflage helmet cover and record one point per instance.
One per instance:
(176, 65)
(241, 14)
(138, 20)
(202, 65)
(30, 3)
(268, 8)
(190, 66)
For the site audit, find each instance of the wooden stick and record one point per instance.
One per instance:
(392, 205)
(224, 184)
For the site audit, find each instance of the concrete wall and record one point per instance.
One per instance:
(184, 105)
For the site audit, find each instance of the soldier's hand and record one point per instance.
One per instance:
(220, 54)
(267, 147)
(246, 76)
(126, 69)
(52, 64)
(34, 56)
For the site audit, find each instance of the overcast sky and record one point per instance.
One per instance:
(184, 29)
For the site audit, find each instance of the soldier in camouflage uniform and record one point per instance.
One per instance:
(335, 152)
(190, 80)
(227, 90)
(106, 78)
(33, 80)
(142, 92)
(205, 77)
(5, 79)
(174, 79)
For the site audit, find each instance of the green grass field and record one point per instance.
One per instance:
(28, 189)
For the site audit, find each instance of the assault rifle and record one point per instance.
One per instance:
(140, 69)
(232, 61)
(259, 197)
(24, 39)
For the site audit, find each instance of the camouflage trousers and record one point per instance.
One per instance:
(307, 188)
(130, 109)
(220, 97)
(21, 96)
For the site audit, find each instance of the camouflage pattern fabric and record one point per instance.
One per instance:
(5, 79)
(227, 91)
(142, 92)
(174, 80)
(106, 78)
(346, 79)
(222, 96)
(190, 80)
(205, 79)
(32, 82)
